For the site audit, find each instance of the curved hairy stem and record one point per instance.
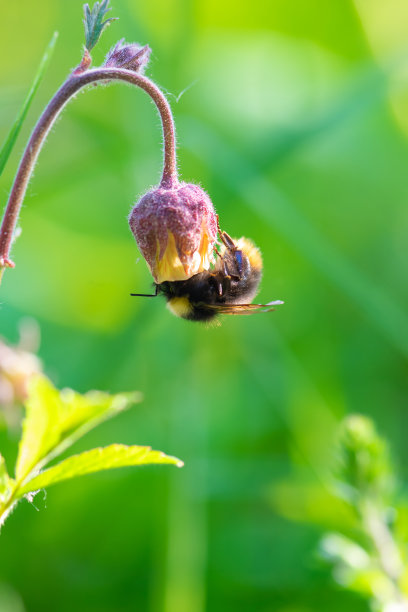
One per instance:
(72, 85)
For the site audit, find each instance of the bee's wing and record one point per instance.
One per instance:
(245, 309)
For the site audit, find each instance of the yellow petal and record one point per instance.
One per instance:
(170, 268)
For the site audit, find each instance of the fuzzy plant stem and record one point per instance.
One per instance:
(72, 85)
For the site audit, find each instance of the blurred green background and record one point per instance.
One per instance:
(296, 123)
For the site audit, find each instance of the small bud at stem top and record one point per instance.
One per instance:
(130, 56)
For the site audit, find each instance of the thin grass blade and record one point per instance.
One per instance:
(16, 127)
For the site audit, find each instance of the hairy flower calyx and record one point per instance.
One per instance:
(175, 229)
(131, 56)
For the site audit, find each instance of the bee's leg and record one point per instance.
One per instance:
(226, 273)
(225, 269)
(217, 252)
(224, 263)
(237, 254)
(237, 274)
(228, 241)
(237, 263)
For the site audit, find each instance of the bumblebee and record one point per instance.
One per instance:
(228, 288)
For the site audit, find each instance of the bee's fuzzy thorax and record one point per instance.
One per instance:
(251, 251)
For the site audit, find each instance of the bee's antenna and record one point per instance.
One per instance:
(146, 294)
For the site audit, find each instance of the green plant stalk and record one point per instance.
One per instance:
(389, 557)
(76, 81)
(7, 505)
(11, 499)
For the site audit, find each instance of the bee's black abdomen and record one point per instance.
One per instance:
(191, 299)
(201, 313)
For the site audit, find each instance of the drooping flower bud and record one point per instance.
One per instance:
(131, 56)
(175, 230)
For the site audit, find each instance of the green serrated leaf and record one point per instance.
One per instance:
(40, 426)
(81, 413)
(16, 127)
(56, 419)
(96, 460)
(93, 22)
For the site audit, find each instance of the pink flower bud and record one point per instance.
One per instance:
(128, 55)
(175, 230)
